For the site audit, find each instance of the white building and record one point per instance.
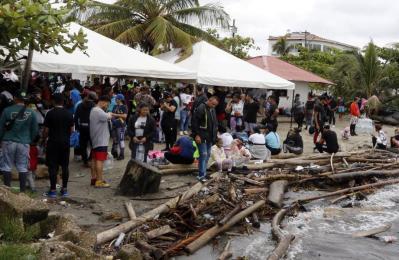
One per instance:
(285, 70)
(308, 40)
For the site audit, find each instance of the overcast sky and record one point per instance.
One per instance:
(353, 22)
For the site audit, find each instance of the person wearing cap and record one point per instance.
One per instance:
(119, 117)
(168, 121)
(273, 141)
(18, 128)
(82, 122)
(58, 126)
(99, 136)
(328, 142)
(257, 142)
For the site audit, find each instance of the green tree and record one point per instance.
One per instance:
(154, 25)
(35, 25)
(239, 46)
(281, 47)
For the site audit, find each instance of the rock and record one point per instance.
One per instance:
(139, 179)
(129, 252)
(65, 228)
(64, 251)
(20, 206)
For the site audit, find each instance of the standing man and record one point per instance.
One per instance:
(251, 108)
(272, 113)
(309, 107)
(18, 128)
(204, 132)
(319, 117)
(168, 122)
(99, 135)
(58, 126)
(355, 114)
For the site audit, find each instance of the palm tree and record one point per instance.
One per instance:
(370, 69)
(281, 47)
(154, 25)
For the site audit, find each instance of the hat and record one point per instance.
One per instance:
(167, 94)
(19, 94)
(120, 97)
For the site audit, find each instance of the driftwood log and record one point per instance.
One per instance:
(276, 193)
(130, 210)
(363, 174)
(171, 204)
(216, 230)
(372, 232)
(226, 254)
(159, 232)
(284, 241)
(354, 189)
(139, 179)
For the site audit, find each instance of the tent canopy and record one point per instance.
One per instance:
(216, 67)
(107, 57)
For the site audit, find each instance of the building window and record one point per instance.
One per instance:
(315, 47)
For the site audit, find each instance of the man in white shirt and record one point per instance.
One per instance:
(186, 101)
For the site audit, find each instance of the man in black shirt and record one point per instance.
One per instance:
(272, 113)
(328, 142)
(58, 125)
(168, 122)
(319, 117)
(251, 108)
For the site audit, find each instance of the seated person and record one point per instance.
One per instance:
(239, 154)
(273, 142)
(346, 133)
(219, 158)
(379, 139)
(182, 152)
(328, 142)
(227, 138)
(395, 139)
(293, 143)
(257, 143)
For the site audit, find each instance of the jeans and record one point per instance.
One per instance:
(205, 153)
(84, 140)
(184, 119)
(118, 140)
(15, 154)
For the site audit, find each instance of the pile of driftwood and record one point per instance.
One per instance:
(242, 200)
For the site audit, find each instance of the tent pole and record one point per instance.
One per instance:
(292, 107)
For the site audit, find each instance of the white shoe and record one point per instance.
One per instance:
(186, 132)
(181, 133)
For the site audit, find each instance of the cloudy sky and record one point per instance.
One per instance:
(350, 21)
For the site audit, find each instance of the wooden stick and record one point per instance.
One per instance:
(154, 252)
(226, 254)
(276, 193)
(214, 231)
(130, 210)
(372, 232)
(284, 241)
(255, 190)
(250, 181)
(343, 191)
(332, 163)
(159, 232)
(183, 243)
(232, 192)
(193, 211)
(230, 215)
(364, 174)
(255, 220)
(342, 197)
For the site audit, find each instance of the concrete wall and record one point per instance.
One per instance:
(301, 88)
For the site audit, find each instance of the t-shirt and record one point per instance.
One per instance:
(382, 138)
(330, 137)
(272, 140)
(59, 122)
(251, 112)
(257, 138)
(237, 108)
(185, 100)
(139, 126)
(309, 105)
(321, 113)
(99, 128)
(167, 116)
(120, 110)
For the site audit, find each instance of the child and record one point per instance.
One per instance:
(119, 116)
(379, 139)
(346, 133)
(218, 157)
(33, 161)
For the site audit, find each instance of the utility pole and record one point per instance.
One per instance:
(234, 30)
(306, 39)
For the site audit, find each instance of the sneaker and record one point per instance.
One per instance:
(50, 194)
(186, 132)
(181, 133)
(201, 179)
(64, 193)
(93, 182)
(102, 184)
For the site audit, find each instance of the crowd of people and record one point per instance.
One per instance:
(214, 127)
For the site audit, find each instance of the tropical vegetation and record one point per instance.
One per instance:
(154, 25)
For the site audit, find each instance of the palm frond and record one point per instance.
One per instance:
(173, 5)
(133, 35)
(116, 28)
(210, 14)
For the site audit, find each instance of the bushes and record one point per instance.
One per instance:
(17, 252)
(13, 231)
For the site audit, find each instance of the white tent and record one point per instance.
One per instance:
(107, 57)
(216, 67)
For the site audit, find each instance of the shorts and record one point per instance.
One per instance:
(99, 153)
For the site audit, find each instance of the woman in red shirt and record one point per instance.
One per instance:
(355, 114)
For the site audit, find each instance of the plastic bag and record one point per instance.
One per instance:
(109, 163)
(364, 126)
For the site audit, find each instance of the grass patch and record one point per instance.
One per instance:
(17, 252)
(12, 230)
